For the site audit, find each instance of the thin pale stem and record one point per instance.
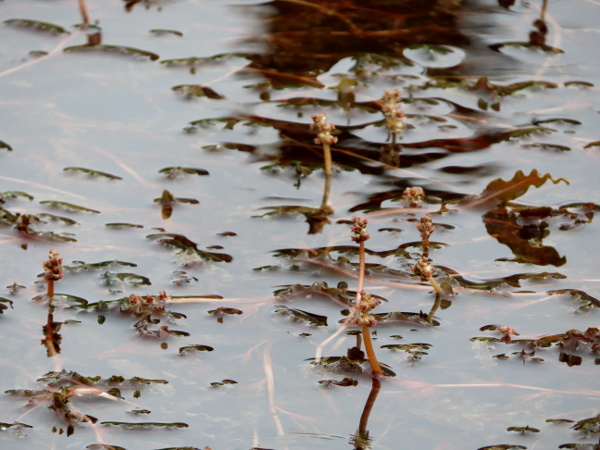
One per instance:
(370, 352)
(361, 272)
(84, 13)
(435, 286)
(326, 191)
(434, 308)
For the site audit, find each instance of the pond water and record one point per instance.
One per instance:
(166, 146)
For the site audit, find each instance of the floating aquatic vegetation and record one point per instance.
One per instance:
(299, 315)
(37, 26)
(586, 300)
(5, 146)
(176, 172)
(190, 91)
(112, 49)
(185, 245)
(162, 31)
(195, 348)
(5, 304)
(222, 311)
(61, 387)
(68, 206)
(141, 426)
(92, 172)
(166, 201)
(345, 382)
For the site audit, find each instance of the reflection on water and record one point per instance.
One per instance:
(487, 110)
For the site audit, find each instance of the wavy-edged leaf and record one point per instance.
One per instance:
(345, 382)
(118, 49)
(14, 194)
(123, 225)
(500, 191)
(92, 172)
(586, 300)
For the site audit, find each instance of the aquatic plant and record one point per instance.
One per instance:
(364, 302)
(53, 270)
(326, 139)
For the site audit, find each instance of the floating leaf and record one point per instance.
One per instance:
(343, 383)
(14, 194)
(160, 31)
(92, 172)
(220, 312)
(3, 304)
(183, 243)
(132, 278)
(37, 25)
(68, 206)
(223, 382)
(198, 348)
(196, 90)
(591, 425)
(586, 300)
(6, 426)
(300, 315)
(174, 172)
(523, 430)
(500, 191)
(4, 145)
(120, 49)
(123, 225)
(105, 447)
(502, 447)
(145, 425)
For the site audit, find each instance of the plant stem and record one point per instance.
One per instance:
(435, 286)
(434, 308)
(50, 288)
(84, 13)
(361, 272)
(370, 352)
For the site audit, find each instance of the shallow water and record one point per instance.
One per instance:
(481, 102)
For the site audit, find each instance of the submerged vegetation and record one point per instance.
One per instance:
(168, 157)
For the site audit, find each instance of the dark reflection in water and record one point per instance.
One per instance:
(361, 440)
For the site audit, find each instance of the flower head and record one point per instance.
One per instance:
(53, 269)
(359, 230)
(423, 269)
(413, 196)
(324, 130)
(425, 227)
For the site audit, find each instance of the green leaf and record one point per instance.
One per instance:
(92, 172)
(119, 49)
(69, 206)
(37, 25)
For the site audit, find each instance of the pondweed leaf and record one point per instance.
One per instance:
(68, 206)
(195, 348)
(161, 31)
(5, 146)
(37, 26)
(197, 90)
(300, 315)
(14, 194)
(118, 49)
(92, 172)
(500, 191)
(174, 172)
(345, 382)
(6, 426)
(587, 301)
(145, 425)
(123, 225)
(4, 304)
(184, 244)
